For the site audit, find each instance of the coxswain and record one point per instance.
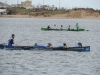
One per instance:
(77, 27)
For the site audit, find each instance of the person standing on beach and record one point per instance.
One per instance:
(11, 40)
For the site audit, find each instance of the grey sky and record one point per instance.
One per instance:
(63, 3)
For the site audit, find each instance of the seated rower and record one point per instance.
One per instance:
(49, 45)
(35, 45)
(61, 27)
(48, 27)
(79, 44)
(64, 45)
(69, 27)
(55, 26)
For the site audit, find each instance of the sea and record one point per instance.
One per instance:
(36, 62)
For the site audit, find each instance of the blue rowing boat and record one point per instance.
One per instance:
(79, 49)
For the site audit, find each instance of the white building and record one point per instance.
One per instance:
(47, 7)
(30, 7)
(3, 11)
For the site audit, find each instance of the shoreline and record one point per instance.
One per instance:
(50, 17)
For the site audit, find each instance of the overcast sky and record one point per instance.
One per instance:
(63, 3)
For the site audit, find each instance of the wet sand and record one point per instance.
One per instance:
(61, 16)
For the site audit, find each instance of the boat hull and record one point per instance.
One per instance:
(46, 29)
(79, 49)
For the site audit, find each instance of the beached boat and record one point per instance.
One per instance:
(80, 49)
(46, 29)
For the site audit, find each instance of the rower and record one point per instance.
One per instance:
(79, 44)
(11, 40)
(69, 27)
(61, 27)
(55, 26)
(35, 45)
(49, 45)
(48, 27)
(64, 45)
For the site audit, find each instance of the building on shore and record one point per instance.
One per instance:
(27, 4)
(47, 7)
(3, 11)
(13, 5)
(19, 5)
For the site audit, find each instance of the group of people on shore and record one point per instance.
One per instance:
(77, 27)
(49, 45)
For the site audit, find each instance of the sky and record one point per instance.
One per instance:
(95, 4)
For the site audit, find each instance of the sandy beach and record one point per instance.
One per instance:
(60, 16)
(79, 14)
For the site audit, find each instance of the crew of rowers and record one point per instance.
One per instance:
(49, 45)
(48, 27)
(11, 41)
(77, 27)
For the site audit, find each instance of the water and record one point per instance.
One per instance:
(27, 32)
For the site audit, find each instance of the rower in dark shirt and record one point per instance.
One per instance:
(48, 27)
(11, 40)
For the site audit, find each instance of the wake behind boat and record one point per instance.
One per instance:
(79, 49)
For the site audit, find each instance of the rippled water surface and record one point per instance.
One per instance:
(27, 32)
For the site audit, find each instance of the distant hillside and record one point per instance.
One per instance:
(69, 13)
(82, 12)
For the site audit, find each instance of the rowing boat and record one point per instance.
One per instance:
(79, 49)
(46, 29)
